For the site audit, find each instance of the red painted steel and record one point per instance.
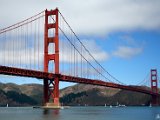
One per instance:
(53, 92)
(26, 73)
(51, 76)
(154, 86)
(105, 84)
(154, 83)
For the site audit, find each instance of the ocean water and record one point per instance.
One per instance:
(81, 113)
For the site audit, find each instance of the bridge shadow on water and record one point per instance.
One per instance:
(54, 112)
(49, 114)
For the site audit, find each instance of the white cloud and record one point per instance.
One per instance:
(67, 52)
(127, 52)
(91, 17)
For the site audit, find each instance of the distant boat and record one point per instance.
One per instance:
(7, 105)
(157, 116)
(122, 105)
(150, 105)
(117, 104)
(110, 106)
(105, 105)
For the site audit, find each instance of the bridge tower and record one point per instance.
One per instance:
(154, 86)
(51, 87)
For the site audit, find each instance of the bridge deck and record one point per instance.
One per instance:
(43, 75)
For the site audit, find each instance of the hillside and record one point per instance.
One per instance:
(20, 95)
(96, 95)
(15, 99)
(80, 94)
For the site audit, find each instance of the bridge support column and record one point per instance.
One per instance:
(154, 101)
(154, 87)
(45, 89)
(51, 36)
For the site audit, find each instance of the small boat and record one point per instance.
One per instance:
(150, 105)
(7, 105)
(110, 106)
(158, 116)
(36, 107)
(105, 105)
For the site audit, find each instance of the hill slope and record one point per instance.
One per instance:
(20, 95)
(96, 95)
(80, 94)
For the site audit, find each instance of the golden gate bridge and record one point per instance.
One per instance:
(45, 46)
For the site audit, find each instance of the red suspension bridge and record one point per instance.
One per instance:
(45, 47)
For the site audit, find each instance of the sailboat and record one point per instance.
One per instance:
(150, 105)
(157, 116)
(7, 105)
(105, 105)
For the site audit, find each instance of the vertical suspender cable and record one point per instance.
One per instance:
(30, 61)
(81, 60)
(26, 46)
(34, 42)
(38, 40)
(5, 49)
(13, 35)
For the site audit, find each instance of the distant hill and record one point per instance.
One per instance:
(79, 94)
(97, 95)
(15, 99)
(20, 95)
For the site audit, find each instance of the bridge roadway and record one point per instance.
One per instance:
(50, 76)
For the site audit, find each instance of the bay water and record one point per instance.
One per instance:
(81, 113)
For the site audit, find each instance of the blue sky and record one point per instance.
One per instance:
(127, 32)
(131, 68)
